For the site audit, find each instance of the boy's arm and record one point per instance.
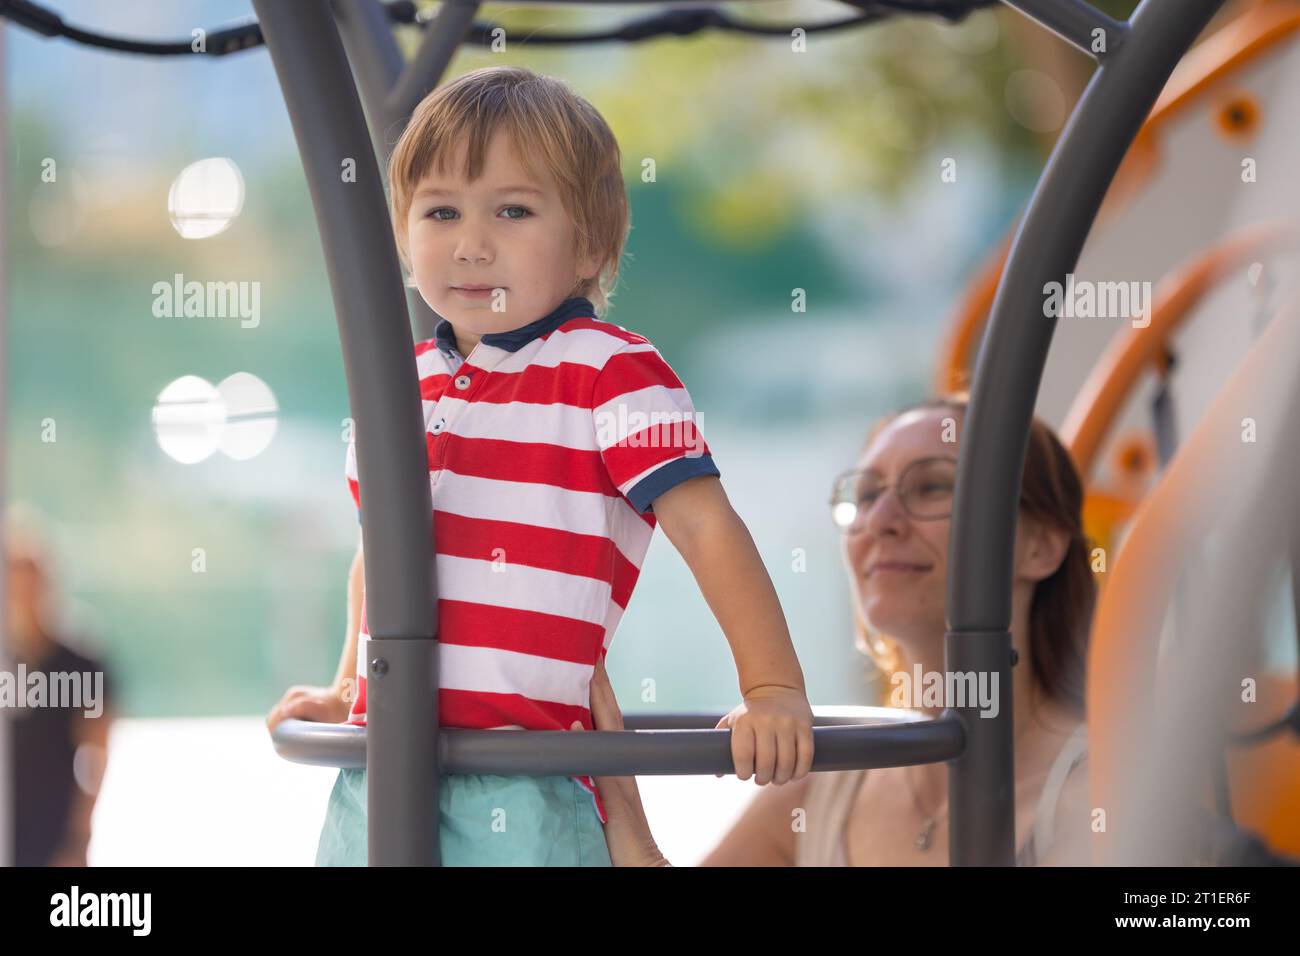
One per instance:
(771, 730)
(701, 524)
(345, 678)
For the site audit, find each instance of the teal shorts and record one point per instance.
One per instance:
(485, 820)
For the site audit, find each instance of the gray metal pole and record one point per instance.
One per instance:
(383, 388)
(441, 41)
(1004, 391)
(8, 776)
(1077, 23)
(381, 72)
(376, 60)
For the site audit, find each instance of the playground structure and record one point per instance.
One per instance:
(1113, 136)
(1223, 266)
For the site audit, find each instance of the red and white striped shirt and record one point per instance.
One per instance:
(547, 447)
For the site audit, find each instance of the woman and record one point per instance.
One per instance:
(894, 508)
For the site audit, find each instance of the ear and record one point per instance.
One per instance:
(589, 267)
(1040, 550)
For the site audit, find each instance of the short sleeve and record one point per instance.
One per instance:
(646, 426)
(350, 474)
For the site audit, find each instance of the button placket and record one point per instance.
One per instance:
(466, 382)
(461, 383)
(440, 424)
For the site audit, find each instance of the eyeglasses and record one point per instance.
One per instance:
(924, 491)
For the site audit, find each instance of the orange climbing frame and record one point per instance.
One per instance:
(1251, 35)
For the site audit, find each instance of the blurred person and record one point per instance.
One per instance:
(59, 746)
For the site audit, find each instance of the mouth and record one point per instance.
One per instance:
(896, 567)
(474, 292)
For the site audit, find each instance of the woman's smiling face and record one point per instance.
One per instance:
(898, 564)
(507, 233)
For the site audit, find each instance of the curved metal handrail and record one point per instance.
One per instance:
(654, 744)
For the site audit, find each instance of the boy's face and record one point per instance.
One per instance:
(517, 245)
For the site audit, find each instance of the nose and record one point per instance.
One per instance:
(885, 517)
(472, 246)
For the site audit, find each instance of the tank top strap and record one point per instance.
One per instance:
(828, 802)
(831, 795)
(1072, 753)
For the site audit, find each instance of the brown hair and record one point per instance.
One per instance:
(1060, 612)
(547, 122)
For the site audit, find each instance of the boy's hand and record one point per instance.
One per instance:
(326, 705)
(771, 734)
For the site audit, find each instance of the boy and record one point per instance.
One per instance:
(556, 443)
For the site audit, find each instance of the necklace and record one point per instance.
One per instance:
(925, 836)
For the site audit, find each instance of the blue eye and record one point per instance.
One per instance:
(433, 213)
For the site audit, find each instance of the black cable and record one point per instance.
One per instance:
(951, 10)
(29, 15)
(669, 22)
(246, 34)
(238, 36)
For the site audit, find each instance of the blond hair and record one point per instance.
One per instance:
(547, 122)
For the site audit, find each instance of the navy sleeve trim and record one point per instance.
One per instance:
(645, 491)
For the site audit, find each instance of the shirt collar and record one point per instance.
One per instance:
(515, 339)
